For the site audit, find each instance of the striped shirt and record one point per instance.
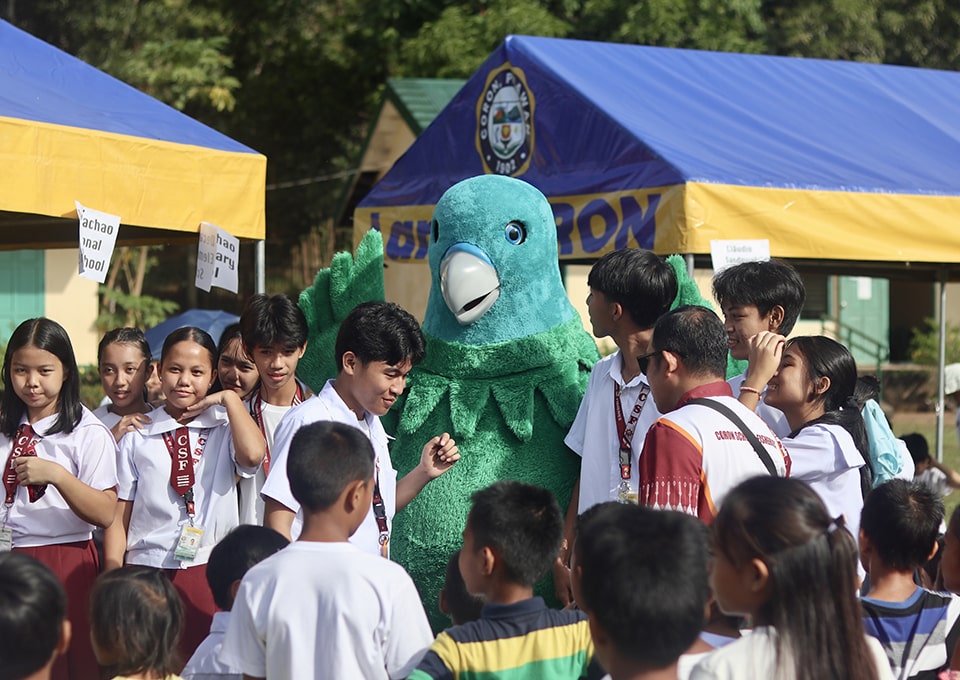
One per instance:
(918, 634)
(522, 640)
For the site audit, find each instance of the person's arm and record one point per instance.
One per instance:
(129, 423)
(94, 506)
(561, 566)
(248, 443)
(439, 454)
(766, 349)
(953, 477)
(277, 516)
(115, 537)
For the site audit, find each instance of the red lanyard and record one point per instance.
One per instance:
(626, 430)
(24, 444)
(256, 410)
(182, 463)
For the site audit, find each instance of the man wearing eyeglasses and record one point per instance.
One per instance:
(706, 442)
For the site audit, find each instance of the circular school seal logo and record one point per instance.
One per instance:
(505, 122)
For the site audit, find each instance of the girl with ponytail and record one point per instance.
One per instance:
(781, 558)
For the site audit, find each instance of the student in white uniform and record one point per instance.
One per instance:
(780, 558)
(322, 607)
(275, 337)
(123, 359)
(629, 290)
(60, 476)
(235, 369)
(813, 384)
(178, 492)
(756, 297)
(377, 346)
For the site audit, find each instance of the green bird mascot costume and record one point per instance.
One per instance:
(506, 366)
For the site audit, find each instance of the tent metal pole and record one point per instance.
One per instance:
(689, 260)
(941, 359)
(260, 268)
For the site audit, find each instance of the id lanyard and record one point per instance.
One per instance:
(24, 444)
(380, 514)
(256, 410)
(182, 464)
(625, 431)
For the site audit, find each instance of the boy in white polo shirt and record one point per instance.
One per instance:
(322, 607)
(377, 346)
(629, 290)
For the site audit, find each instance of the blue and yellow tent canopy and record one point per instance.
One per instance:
(69, 132)
(669, 149)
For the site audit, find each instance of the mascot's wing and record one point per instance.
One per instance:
(336, 290)
(688, 293)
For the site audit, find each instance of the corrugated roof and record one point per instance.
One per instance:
(420, 100)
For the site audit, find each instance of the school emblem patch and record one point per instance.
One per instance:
(505, 122)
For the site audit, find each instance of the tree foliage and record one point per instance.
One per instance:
(298, 79)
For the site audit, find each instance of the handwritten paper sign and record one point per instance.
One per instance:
(217, 256)
(728, 253)
(98, 236)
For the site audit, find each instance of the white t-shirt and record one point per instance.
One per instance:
(754, 656)
(328, 406)
(204, 664)
(593, 435)
(159, 513)
(326, 610)
(89, 453)
(251, 504)
(773, 417)
(825, 457)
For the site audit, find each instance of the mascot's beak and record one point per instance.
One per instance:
(468, 281)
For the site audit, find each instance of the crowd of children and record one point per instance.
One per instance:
(150, 539)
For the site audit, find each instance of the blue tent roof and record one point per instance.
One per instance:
(74, 133)
(709, 145)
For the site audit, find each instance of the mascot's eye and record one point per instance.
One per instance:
(515, 233)
(435, 226)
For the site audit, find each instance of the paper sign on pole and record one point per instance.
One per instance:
(98, 236)
(728, 253)
(217, 256)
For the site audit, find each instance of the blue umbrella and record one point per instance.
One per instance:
(213, 321)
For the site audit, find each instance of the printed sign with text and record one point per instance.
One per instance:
(728, 253)
(217, 259)
(98, 236)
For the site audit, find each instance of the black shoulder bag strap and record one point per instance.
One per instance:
(751, 437)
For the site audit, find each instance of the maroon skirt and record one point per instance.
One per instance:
(77, 566)
(198, 606)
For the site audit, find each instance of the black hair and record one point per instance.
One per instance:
(917, 446)
(902, 520)
(697, 336)
(639, 280)
(522, 523)
(49, 336)
(267, 321)
(232, 557)
(825, 357)
(644, 579)
(380, 331)
(231, 332)
(324, 458)
(191, 334)
(463, 606)
(33, 606)
(763, 285)
(867, 388)
(812, 575)
(125, 335)
(136, 618)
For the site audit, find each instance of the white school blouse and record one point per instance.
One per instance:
(327, 405)
(159, 513)
(89, 453)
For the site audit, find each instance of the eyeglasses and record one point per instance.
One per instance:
(644, 360)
